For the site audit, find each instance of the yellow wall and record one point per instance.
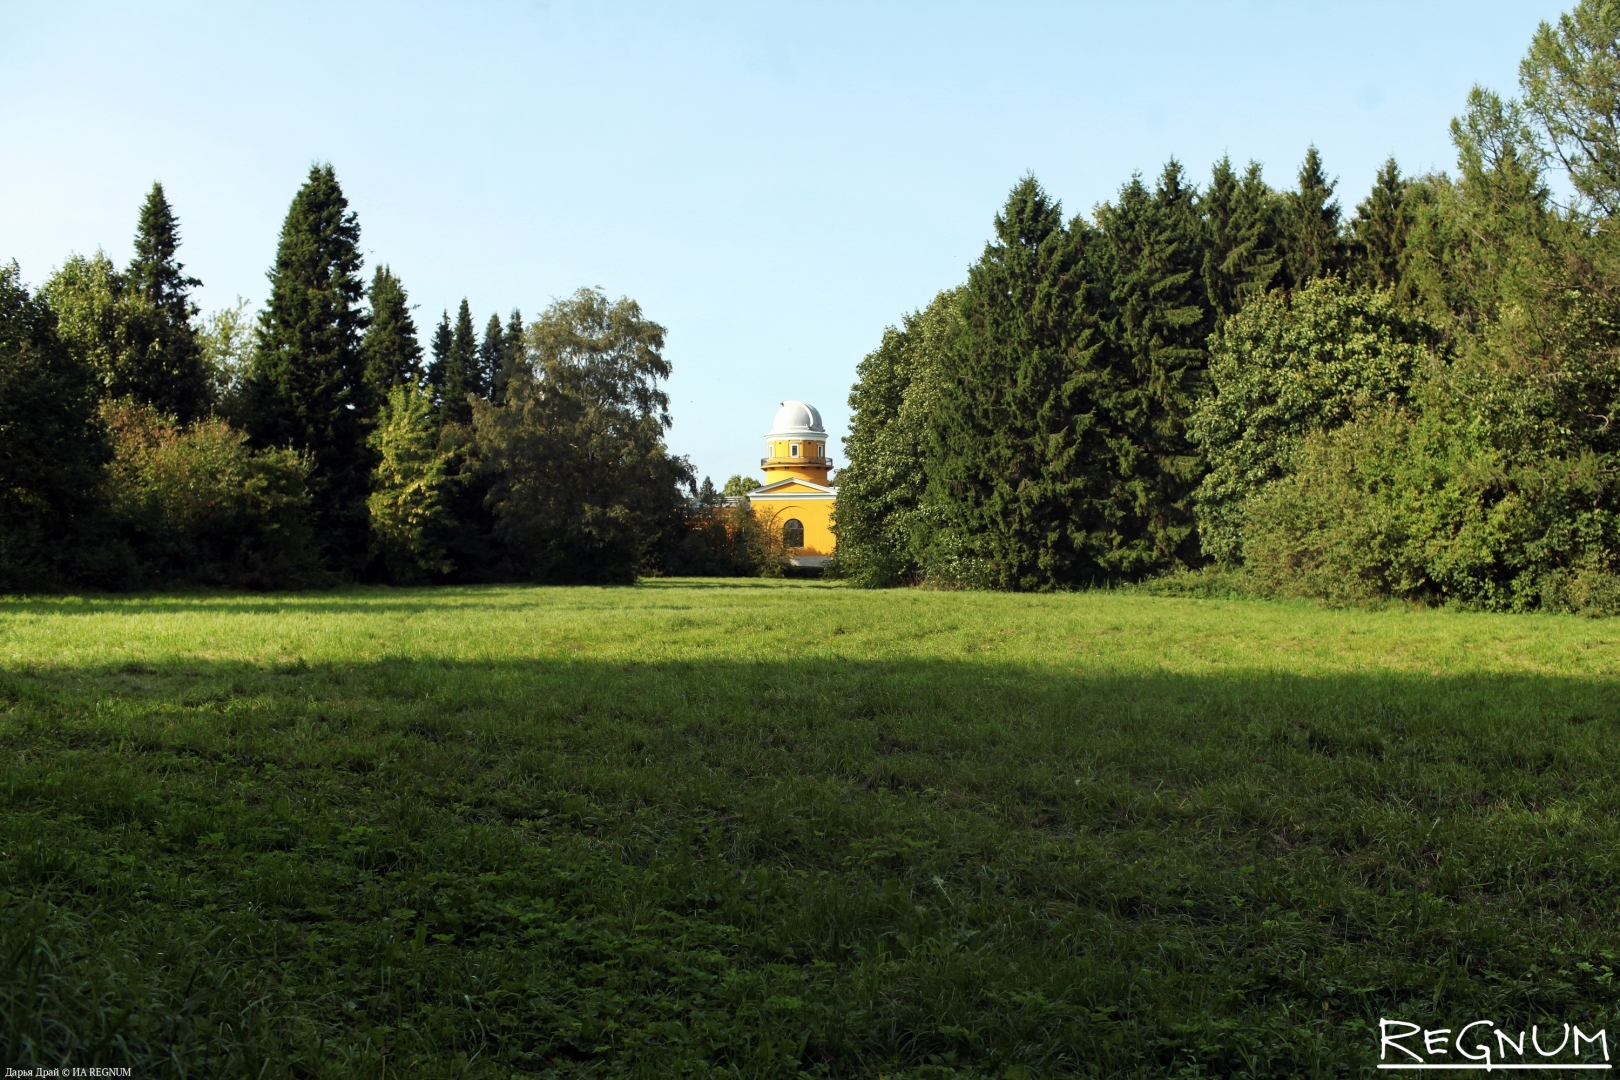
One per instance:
(783, 448)
(781, 465)
(816, 514)
(815, 474)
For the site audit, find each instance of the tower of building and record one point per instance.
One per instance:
(798, 499)
(796, 445)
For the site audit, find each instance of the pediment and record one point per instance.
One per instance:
(792, 486)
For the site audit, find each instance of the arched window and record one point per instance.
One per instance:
(793, 450)
(793, 533)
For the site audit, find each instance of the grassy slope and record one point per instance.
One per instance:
(689, 828)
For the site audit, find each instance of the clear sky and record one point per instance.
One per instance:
(774, 182)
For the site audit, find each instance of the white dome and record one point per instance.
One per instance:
(796, 420)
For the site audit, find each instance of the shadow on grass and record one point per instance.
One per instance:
(915, 867)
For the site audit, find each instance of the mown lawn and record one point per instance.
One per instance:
(756, 829)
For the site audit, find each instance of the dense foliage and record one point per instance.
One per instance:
(52, 446)
(141, 447)
(197, 504)
(134, 328)
(1286, 365)
(585, 490)
(1417, 403)
(409, 502)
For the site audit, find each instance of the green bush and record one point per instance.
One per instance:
(1411, 506)
(199, 506)
(136, 347)
(725, 539)
(1286, 365)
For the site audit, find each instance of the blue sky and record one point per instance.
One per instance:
(775, 183)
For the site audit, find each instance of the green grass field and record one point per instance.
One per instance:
(780, 829)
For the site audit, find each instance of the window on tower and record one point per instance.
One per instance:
(793, 450)
(793, 533)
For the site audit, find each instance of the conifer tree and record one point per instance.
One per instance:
(1158, 319)
(454, 372)
(464, 353)
(306, 387)
(491, 356)
(512, 355)
(393, 355)
(1380, 227)
(1015, 433)
(439, 367)
(134, 328)
(1244, 259)
(167, 368)
(1315, 247)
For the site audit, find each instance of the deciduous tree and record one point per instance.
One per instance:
(53, 447)
(410, 517)
(586, 489)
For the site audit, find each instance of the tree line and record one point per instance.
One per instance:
(141, 446)
(1250, 388)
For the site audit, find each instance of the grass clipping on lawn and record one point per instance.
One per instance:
(780, 829)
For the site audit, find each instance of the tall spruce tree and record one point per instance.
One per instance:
(306, 387)
(162, 363)
(1380, 227)
(491, 356)
(393, 355)
(464, 356)
(512, 356)
(1159, 317)
(1244, 257)
(1315, 246)
(439, 367)
(453, 372)
(1016, 432)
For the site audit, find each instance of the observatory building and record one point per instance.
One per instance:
(797, 500)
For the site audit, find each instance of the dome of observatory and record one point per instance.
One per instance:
(797, 420)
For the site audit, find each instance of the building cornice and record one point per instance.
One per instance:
(828, 489)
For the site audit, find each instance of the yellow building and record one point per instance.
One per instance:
(797, 501)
